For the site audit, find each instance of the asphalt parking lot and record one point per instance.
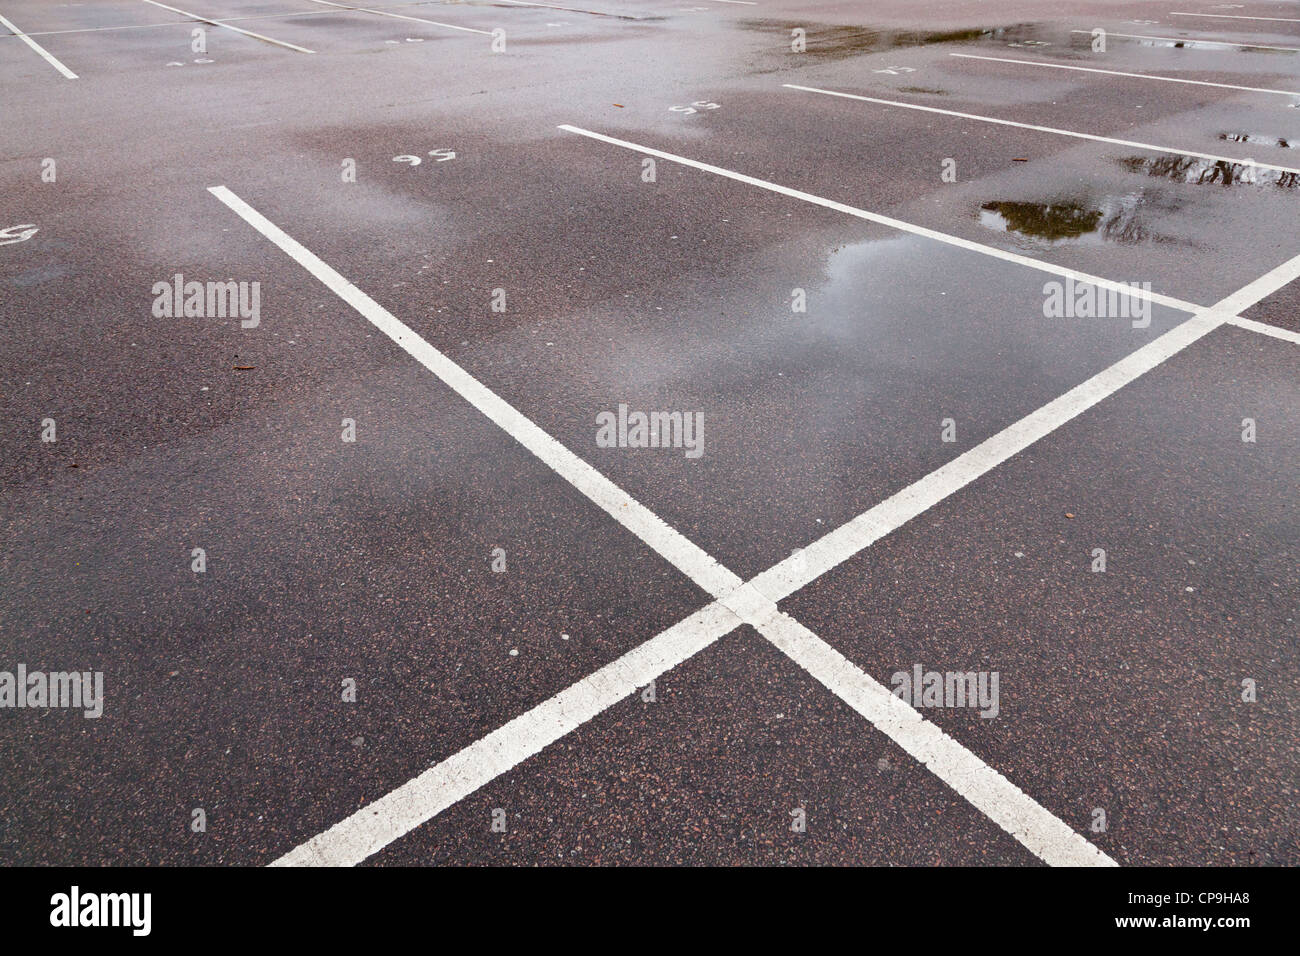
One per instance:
(371, 578)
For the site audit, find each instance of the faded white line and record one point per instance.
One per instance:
(45, 54)
(227, 26)
(399, 16)
(1049, 129)
(369, 830)
(1228, 16)
(943, 237)
(1198, 40)
(1286, 335)
(1140, 76)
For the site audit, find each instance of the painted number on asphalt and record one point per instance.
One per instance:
(695, 107)
(17, 234)
(439, 156)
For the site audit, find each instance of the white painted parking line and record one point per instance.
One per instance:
(1134, 291)
(45, 54)
(400, 16)
(1049, 129)
(400, 811)
(1047, 837)
(1229, 16)
(367, 831)
(835, 547)
(1140, 76)
(1260, 289)
(1000, 800)
(743, 3)
(370, 829)
(670, 544)
(1200, 41)
(227, 26)
(1285, 335)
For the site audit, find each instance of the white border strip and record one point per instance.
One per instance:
(227, 26)
(1150, 147)
(996, 253)
(1140, 76)
(45, 54)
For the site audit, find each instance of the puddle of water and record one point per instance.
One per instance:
(834, 42)
(1113, 219)
(1206, 172)
(1257, 138)
(951, 36)
(1052, 222)
(1211, 45)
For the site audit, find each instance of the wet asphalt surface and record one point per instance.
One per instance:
(372, 560)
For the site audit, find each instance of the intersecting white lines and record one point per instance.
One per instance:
(735, 602)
